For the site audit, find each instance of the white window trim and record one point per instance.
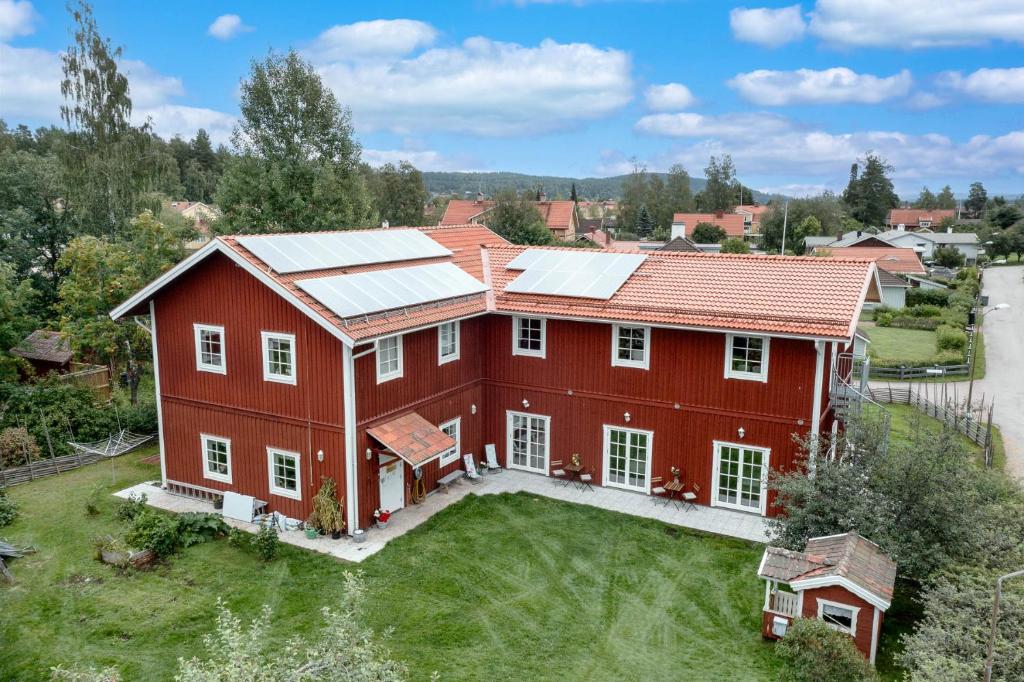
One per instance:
(284, 492)
(822, 603)
(454, 457)
(761, 376)
(204, 439)
(203, 366)
(618, 362)
(267, 374)
(398, 373)
(516, 350)
(508, 441)
(441, 358)
(716, 466)
(606, 456)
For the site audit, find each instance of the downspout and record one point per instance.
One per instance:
(156, 385)
(819, 372)
(351, 467)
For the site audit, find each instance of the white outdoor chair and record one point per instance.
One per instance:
(492, 458)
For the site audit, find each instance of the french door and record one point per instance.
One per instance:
(627, 458)
(740, 477)
(529, 437)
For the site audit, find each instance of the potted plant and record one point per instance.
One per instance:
(382, 516)
(311, 532)
(218, 502)
(338, 524)
(326, 509)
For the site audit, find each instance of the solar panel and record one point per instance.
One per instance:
(379, 290)
(572, 273)
(287, 253)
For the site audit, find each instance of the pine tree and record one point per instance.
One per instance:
(945, 198)
(644, 223)
(572, 193)
(926, 200)
(977, 199)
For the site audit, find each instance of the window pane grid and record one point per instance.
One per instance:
(449, 339)
(387, 356)
(210, 347)
(627, 458)
(216, 457)
(632, 344)
(285, 472)
(747, 354)
(530, 335)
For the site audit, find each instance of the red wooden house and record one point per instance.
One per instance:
(845, 580)
(283, 358)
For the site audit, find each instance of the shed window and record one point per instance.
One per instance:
(746, 357)
(454, 429)
(389, 358)
(630, 346)
(839, 616)
(448, 342)
(279, 357)
(210, 348)
(216, 458)
(528, 336)
(285, 476)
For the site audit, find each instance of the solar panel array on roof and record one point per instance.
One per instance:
(287, 253)
(572, 273)
(379, 290)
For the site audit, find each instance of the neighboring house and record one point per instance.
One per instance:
(683, 224)
(46, 351)
(918, 218)
(561, 217)
(893, 265)
(337, 352)
(752, 214)
(924, 242)
(845, 580)
(861, 341)
(680, 244)
(202, 215)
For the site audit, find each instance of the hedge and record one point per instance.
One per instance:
(922, 296)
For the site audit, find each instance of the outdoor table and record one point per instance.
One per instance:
(573, 471)
(674, 487)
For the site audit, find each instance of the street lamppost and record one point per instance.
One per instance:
(995, 619)
(974, 350)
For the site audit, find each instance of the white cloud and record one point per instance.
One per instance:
(766, 26)
(483, 87)
(147, 86)
(378, 38)
(987, 85)
(227, 26)
(423, 159)
(669, 97)
(16, 18)
(829, 86)
(923, 100)
(174, 119)
(917, 23)
(737, 125)
(30, 82)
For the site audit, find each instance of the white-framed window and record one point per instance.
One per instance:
(842, 617)
(389, 358)
(448, 344)
(210, 348)
(740, 477)
(528, 437)
(529, 336)
(454, 429)
(278, 357)
(216, 457)
(285, 475)
(631, 346)
(627, 458)
(746, 357)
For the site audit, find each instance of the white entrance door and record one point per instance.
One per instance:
(392, 485)
(740, 478)
(627, 458)
(528, 437)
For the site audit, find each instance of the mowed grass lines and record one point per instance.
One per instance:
(494, 587)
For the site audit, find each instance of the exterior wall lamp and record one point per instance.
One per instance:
(369, 453)
(526, 403)
(472, 408)
(741, 432)
(319, 455)
(627, 417)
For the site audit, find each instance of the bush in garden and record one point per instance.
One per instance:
(881, 310)
(155, 531)
(92, 503)
(238, 538)
(924, 310)
(132, 507)
(923, 296)
(884, 319)
(8, 509)
(198, 527)
(17, 447)
(949, 338)
(266, 543)
(814, 652)
(909, 322)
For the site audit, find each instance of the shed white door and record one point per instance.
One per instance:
(392, 485)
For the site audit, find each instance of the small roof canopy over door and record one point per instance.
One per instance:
(412, 438)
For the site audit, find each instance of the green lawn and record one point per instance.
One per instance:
(893, 343)
(905, 418)
(494, 587)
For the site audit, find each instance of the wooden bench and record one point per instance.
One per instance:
(446, 481)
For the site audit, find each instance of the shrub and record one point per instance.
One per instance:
(881, 310)
(924, 310)
(907, 322)
(950, 338)
(325, 508)
(813, 651)
(92, 503)
(884, 319)
(198, 527)
(17, 447)
(735, 245)
(132, 507)
(8, 509)
(155, 531)
(266, 543)
(238, 538)
(922, 296)
(948, 256)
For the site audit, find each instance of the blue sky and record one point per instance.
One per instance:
(795, 92)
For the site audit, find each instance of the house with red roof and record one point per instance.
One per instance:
(752, 214)
(918, 218)
(895, 264)
(683, 224)
(561, 217)
(845, 580)
(377, 357)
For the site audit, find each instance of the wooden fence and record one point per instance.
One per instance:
(902, 373)
(95, 377)
(45, 467)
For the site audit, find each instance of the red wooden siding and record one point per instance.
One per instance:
(240, 405)
(865, 617)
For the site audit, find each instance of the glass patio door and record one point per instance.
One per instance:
(627, 458)
(741, 474)
(528, 439)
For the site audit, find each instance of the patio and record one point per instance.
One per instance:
(708, 519)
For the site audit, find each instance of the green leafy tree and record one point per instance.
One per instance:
(812, 651)
(678, 192)
(948, 257)
(977, 200)
(735, 245)
(1004, 216)
(707, 233)
(517, 219)
(718, 193)
(298, 168)
(945, 198)
(634, 196)
(17, 318)
(810, 226)
(826, 209)
(926, 200)
(398, 193)
(870, 195)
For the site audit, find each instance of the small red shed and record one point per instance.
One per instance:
(845, 580)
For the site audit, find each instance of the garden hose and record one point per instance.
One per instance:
(418, 491)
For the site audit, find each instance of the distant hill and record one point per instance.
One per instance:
(555, 187)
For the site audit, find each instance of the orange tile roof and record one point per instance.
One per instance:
(890, 259)
(914, 216)
(732, 223)
(461, 211)
(557, 214)
(412, 438)
(464, 241)
(804, 296)
(755, 209)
